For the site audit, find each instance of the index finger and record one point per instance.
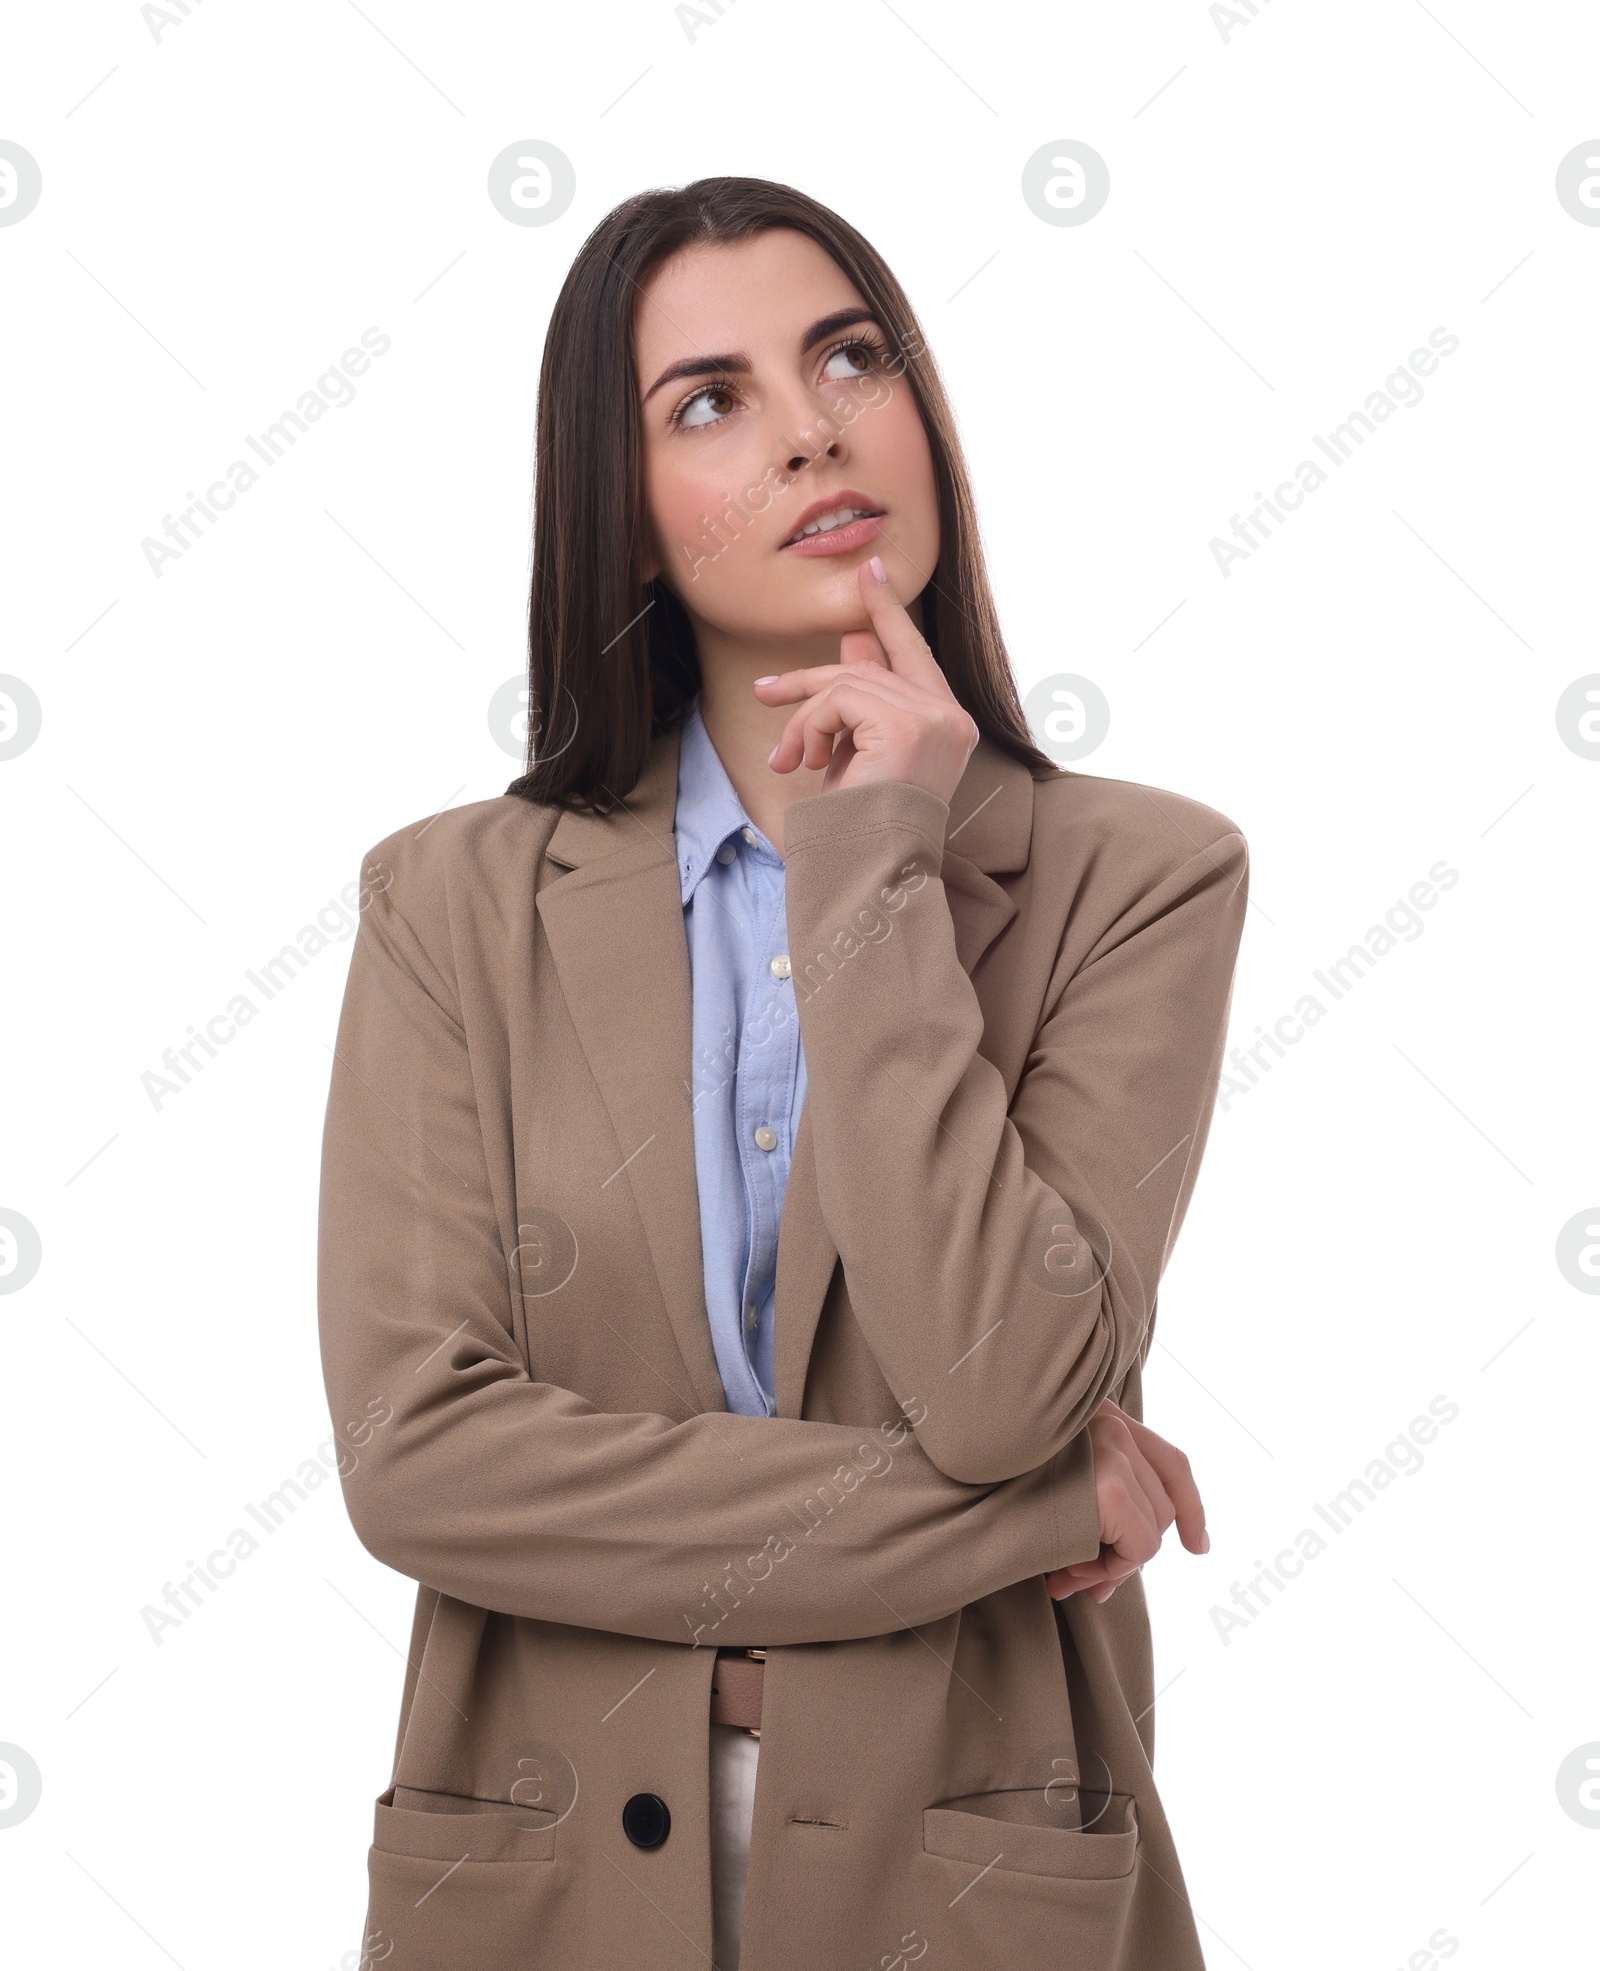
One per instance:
(1172, 1468)
(903, 643)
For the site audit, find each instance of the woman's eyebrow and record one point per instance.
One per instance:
(738, 363)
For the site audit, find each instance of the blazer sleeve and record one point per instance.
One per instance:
(462, 1472)
(1002, 1260)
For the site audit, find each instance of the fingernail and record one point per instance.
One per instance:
(773, 754)
(1205, 1541)
(876, 565)
(772, 680)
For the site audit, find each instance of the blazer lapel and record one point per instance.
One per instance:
(990, 833)
(614, 922)
(807, 1257)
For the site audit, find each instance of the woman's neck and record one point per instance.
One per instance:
(744, 732)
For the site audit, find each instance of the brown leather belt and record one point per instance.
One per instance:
(736, 1679)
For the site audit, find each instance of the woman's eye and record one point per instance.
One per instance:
(849, 352)
(698, 410)
(687, 411)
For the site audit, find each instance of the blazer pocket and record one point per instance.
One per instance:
(1017, 1831)
(451, 1827)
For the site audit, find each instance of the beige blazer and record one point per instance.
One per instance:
(1013, 1009)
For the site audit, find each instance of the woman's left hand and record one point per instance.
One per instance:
(888, 698)
(1142, 1485)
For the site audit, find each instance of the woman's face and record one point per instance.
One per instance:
(767, 388)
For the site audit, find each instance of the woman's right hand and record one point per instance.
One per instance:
(1142, 1485)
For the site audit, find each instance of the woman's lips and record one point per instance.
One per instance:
(840, 540)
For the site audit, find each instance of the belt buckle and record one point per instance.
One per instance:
(759, 1656)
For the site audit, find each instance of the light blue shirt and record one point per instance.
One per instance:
(749, 1076)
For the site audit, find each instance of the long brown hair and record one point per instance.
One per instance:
(612, 661)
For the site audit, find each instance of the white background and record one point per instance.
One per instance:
(1296, 202)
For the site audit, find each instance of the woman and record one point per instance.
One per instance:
(788, 912)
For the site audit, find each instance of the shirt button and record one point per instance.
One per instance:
(779, 966)
(750, 835)
(766, 1136)
(750, 1318)
(727, 852)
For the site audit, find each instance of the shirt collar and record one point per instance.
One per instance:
(708, 810)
